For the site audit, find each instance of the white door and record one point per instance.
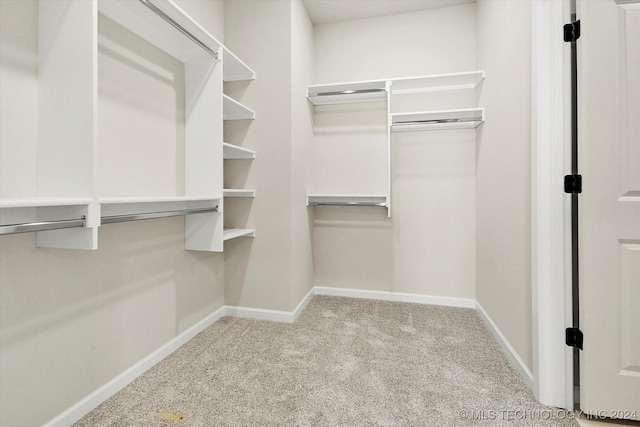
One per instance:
(609, 156)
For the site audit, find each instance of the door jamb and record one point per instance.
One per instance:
(550, 208)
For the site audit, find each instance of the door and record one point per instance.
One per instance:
(609, 162)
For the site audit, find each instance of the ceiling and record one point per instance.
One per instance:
(329, 11)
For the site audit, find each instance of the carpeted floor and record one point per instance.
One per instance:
(345, 362)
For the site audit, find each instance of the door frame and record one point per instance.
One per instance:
(550, 208)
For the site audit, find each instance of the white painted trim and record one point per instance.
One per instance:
(396, 296)
(272, 315)
(303, 303)
(550, 220)
(508, 349)
(93, 400)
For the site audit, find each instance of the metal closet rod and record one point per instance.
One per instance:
(348, 204)
(420, 122)
(349, 92)
(179, 27)
(42, 226)
(152, 215)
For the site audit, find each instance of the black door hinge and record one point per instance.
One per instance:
(572, 31)
(573, 184)
(574, 337)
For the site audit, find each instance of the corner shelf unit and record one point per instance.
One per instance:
(67, 85)
(386, 90)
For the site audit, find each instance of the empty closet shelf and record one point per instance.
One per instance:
(231, 152)
(346, 200)
(347, 93)
(232, 233)
(432, 120)
(239, 193)
(233, 110)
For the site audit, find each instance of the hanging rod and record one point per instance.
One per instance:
(42, 226)
(152, 215)
(382, 204)
(179, 27)
(422, 122)
(349, 92)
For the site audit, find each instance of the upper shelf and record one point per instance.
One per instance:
(376, 90)
(431, 120)
(346, 93)
(233, 110)
(230, 151)
(233, 69)
(437, 82)
(36, 202)
(164, 24)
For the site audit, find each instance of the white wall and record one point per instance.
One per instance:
(273, 270)
(301, 144)
(428, 246)
(504, 171)
(72, 320)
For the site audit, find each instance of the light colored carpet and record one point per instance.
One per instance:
(345, 362)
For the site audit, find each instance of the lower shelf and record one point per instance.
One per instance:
(347, 200)
(232, 233)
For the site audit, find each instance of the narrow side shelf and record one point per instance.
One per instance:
(227, 192)
(233, 110)
(432, 120)
(232, 233)
(347, 200)
(233, 69)
(231, 152)
(347, 93)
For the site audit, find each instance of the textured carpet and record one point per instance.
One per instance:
(345, 362)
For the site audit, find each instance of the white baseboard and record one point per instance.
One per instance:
(86, 405)
(508, 349)
(273, 315)
(92, 401)
(396, 296)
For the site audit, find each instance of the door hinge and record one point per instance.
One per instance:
(573, 184)
(574, 337)
(572, 31)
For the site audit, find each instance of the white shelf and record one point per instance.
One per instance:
(233, 110)
(141, 20)
(347, 200)
(438, 82)
(230, 152)
(233, 69)
(347, 93)
(432, 120)
(239, 193)
(42, 202)
(232, 233)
